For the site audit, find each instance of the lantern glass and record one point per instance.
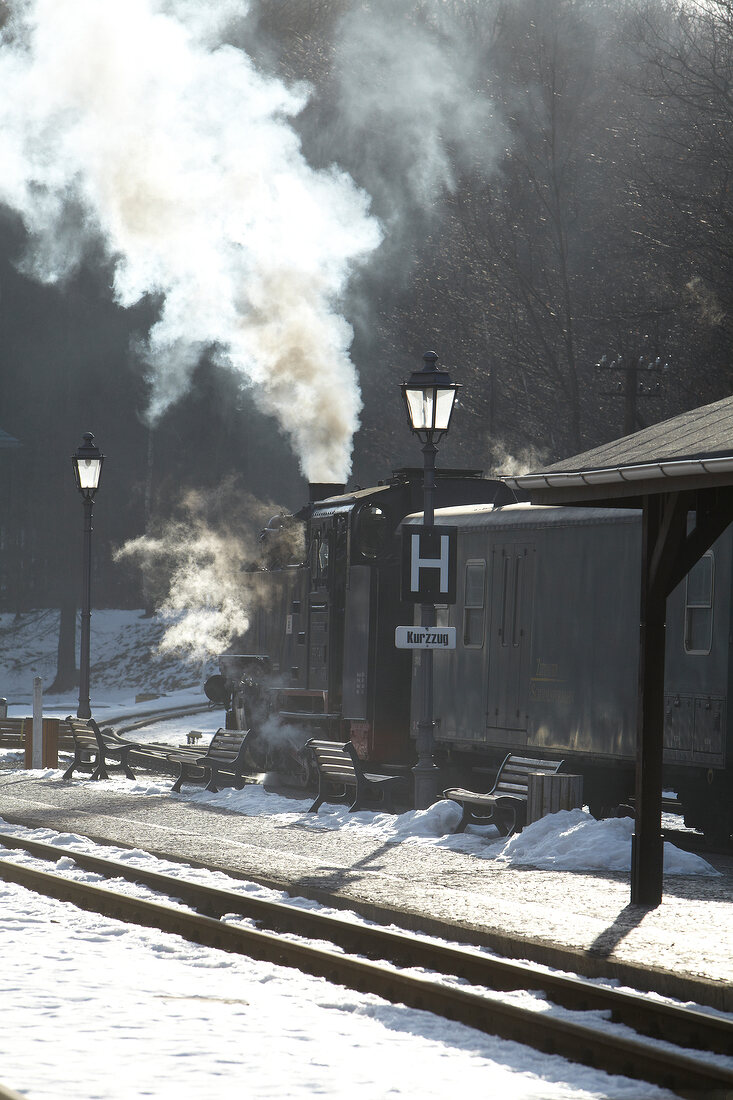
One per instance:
(429, 408)
(88, 471)
(87, 464)
(444, 400)
(420, 407)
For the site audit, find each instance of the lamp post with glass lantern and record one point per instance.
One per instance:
(87, 464)
(429, 396)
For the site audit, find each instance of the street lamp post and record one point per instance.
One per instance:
(87, 464)
(429, 396)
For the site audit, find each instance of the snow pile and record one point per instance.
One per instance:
(572, 840)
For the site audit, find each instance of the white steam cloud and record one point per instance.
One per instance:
(198, 567)
(506, 464)
(415, 104)
(135, 125)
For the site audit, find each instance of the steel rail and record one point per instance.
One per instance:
(127, 723)
(614, 1053)
(683, 1025)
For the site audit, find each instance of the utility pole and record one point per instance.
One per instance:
(637, 381)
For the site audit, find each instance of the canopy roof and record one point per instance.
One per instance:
(691, 451)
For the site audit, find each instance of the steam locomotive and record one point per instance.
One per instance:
(546, 620)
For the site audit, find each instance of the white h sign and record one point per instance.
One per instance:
(418, 563)
(429, 564)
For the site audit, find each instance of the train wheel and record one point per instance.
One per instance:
(709, 811)
(717, 825)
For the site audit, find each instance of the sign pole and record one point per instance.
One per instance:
(426, 775)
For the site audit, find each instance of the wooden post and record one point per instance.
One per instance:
(51, 742)
(37, 750)
(646, 843)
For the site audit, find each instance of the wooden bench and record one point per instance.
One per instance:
(505, 805)
(225, 754)
(100, 745)
(340, 770)
(11, 731)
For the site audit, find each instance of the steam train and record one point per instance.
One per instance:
(546, 619)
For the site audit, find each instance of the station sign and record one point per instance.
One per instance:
(420, 637)
(429, 564)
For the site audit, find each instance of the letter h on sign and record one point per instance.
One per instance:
(429, 564)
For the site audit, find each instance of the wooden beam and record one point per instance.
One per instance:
(646, 846)
(714, 512)
(668, 541)
(668, 553)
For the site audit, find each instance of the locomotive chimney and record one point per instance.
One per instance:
(320, 490)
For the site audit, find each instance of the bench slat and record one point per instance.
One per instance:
(505, 805)
(340, 770)
(225, 754)
(101, 744)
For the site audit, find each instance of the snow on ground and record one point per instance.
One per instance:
(124, 656)
(99, 1010)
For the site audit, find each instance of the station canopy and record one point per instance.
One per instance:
(680, 475)
(689, 452)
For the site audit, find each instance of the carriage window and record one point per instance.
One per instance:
(323, 558)
(516, 626)
(371, 531)
(474, 603)
(699, 606)
(315, 543)
(319, 559)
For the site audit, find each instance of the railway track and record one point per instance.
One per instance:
(453, 981)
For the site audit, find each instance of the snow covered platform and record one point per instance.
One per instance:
(561, 886)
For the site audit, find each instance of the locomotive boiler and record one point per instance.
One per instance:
(546, 658)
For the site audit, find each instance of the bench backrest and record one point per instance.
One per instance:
(11, 725)
(84, 731)
(514, 773)
(333, 759)
(14, 730)
(227, 745)
(11, 730)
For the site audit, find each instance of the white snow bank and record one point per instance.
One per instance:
(572, 840)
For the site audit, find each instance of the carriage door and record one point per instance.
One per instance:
(512, 581)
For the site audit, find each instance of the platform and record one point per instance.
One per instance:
(566, 919)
